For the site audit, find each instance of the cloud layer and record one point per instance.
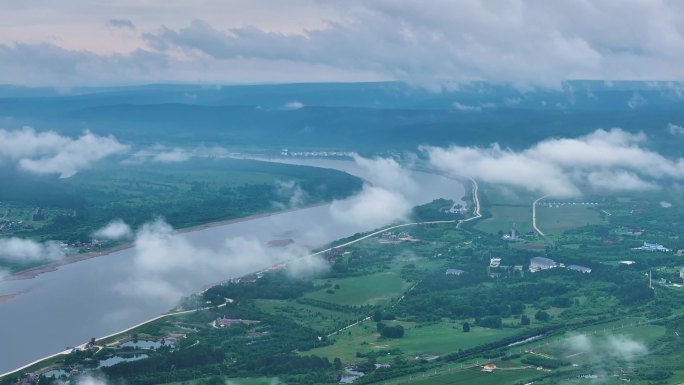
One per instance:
(435, 45)
(613, 160)
(51, 153)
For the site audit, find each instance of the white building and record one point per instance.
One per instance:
(652, 247)
(541, 263)
(494, 262)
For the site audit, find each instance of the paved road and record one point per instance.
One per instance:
(534, 216)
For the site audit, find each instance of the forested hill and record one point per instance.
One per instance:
(355, 116)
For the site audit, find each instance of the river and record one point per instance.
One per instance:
(78, 301)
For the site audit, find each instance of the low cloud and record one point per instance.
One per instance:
(372, 207)
(675, 130)
(291, 193)
(291, 106)
(471, 108)
(163, 154)
(25, 250)
(49, 152)
(121, 23)
(600, 349)
(636, 101)
(386, 173)
(386, 196)
(88, 379)
(168, 266)
(114, 230)
(611, 160)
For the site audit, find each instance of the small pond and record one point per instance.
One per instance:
(123, 358)
(146, 344)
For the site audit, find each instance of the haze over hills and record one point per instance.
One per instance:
(358, 116)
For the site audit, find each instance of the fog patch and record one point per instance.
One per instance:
(675, 130)
(25, 250)
(162, 154)
(307, 266)
(292, 106)
(372, 207)
(291, 193)
(665, 204)
(168, 266)
(386, 173)
(600, 353)
(114, 230)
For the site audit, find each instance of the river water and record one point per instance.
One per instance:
(78, 301)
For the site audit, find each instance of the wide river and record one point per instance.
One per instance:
(81, 300)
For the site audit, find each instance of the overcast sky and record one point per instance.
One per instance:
(431, 43)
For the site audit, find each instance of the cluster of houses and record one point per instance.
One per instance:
(391, 237)
(228, 322)
(286, 152)
(536, 264)
(652, 247)
(559, 204)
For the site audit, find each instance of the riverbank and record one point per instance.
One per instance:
(35, 271)
(476, 215)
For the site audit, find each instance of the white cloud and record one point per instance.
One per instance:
(25, 250)
(167, 266)
(176, 155)
(292, 192)
(636, 101)
(295, 105)
(603, 348)
(472, 108)
(372, 207)
(605, 160)
(675, 130)
(163, 154)
(114, 230)
(49, 152)
(386, 173)
(91, 380)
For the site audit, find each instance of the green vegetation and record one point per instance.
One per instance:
(391, 311)
(559, 218)
(185, 194)
(372, 289)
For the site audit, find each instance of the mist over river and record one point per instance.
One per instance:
(81, 300)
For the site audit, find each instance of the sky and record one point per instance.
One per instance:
(435, 44)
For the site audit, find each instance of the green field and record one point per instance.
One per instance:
(469, 376)
(373, 289)
(432, 339)
(555, 220)
(323, 320)
(503, 218)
